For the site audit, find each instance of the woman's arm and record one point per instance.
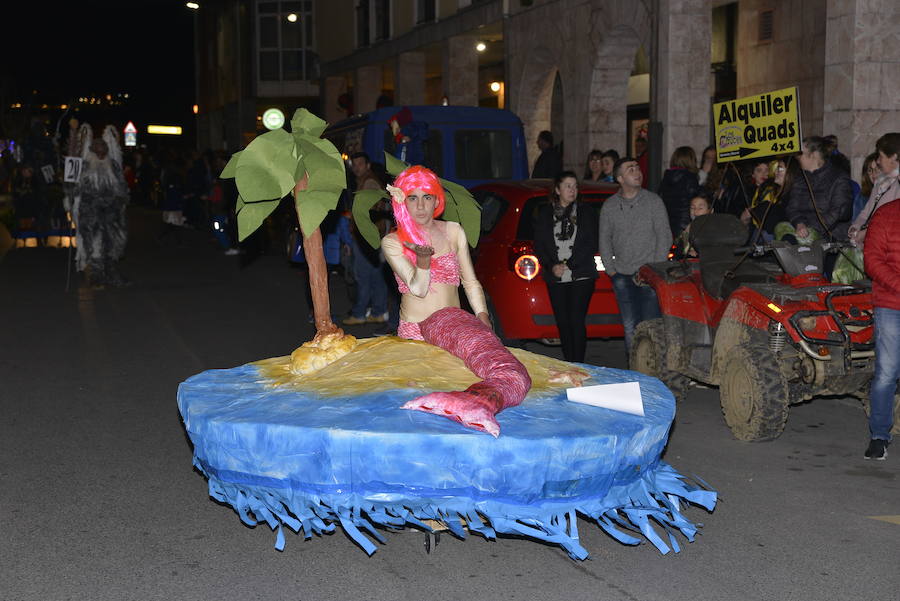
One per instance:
(416, 279)
(798, 205)
(544, 247)
(470, 283)
(587, 242)
(879, 246)
(840, 203)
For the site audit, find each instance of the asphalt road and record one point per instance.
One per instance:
(99, 501)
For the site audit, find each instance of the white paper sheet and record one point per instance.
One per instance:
(624, 396)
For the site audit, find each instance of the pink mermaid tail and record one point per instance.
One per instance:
(505, 381)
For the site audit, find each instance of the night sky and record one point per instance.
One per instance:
(78, 48)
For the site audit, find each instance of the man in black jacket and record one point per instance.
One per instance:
(549, 164)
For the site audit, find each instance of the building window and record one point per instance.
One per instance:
(426, 11)
(373, 21)
(362, 23)
(382, 19)
(766, 26)
(286, 41)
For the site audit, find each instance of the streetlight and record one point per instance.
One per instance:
(292, 18)
(495, 86)
(192, 5)
(480, 46)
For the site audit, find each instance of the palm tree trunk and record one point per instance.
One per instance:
(318, 272)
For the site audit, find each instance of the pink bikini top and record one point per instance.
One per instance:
(444, 270)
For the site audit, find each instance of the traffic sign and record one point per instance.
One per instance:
(130, 134)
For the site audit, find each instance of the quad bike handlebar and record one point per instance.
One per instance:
(758, 250)
(795, 259)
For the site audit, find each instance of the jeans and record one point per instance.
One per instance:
(371, 289)
(887, 370)
(636, 304)
(570, 306)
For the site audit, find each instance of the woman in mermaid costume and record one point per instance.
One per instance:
(430, 259)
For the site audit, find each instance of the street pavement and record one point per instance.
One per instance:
(99, 501)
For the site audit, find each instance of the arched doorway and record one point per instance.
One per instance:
(557, 113)
(608, 118)
(622, 27)
(533, 102)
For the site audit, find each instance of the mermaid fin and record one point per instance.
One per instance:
(467, 408)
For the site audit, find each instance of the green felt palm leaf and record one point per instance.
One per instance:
(252, 214)
(327, 177)
(304, 123)
(468, 211)
(363, 201)
(394, 165)
(450, 209)
(314, 209)
(324, 164)
(265, 169)
(231, 167)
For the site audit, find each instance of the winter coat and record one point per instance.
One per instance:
(834, 200)
(886, 189)
(581, 263)
(882, 256)
(677, 188)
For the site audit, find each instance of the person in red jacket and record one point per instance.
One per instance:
(882, 261)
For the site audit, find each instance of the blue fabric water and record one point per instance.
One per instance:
(310, 462)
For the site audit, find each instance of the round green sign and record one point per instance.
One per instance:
(273, 119)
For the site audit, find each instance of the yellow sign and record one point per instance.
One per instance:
(169, 130)
(757, 126)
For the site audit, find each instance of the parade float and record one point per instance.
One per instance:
(324, 438)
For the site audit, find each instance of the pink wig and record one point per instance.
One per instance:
(415, 177)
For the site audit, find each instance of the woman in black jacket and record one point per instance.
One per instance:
(828, 211)
(678, 186)
(566, 238)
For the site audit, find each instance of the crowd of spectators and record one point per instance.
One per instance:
(796, 198)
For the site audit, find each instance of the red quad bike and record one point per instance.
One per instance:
(769, 333)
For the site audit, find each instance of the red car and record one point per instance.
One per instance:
(511, 274)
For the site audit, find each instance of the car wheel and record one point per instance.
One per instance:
(648, 356)
(754, 394)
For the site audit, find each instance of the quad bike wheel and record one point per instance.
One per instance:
(648, 356)
(753, 394)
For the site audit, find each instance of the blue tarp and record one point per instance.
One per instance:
(310, 462)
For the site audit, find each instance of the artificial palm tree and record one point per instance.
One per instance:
(277, 163)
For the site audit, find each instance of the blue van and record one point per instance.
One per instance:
(466, 144)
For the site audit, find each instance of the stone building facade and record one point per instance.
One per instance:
(572, 66)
